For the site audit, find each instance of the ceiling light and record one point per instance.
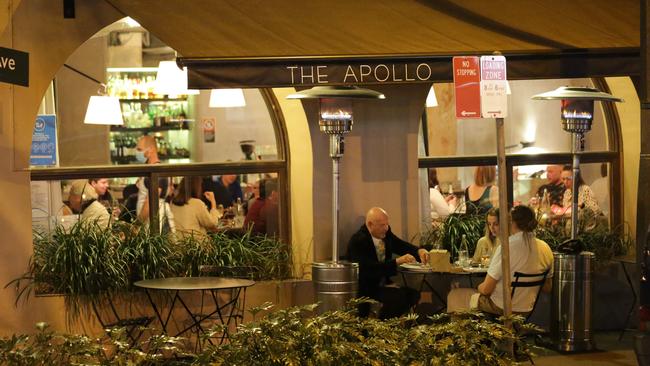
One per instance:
(172, 80)
(227, 98)
(431, 98)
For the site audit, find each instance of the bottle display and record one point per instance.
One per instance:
(146, 112)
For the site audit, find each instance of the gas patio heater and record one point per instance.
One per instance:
(335, 282)
(577, 116)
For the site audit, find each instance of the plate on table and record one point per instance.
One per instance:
(475, 269)
(416, 267)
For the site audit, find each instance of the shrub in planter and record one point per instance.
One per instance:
(448, 234)
(288, 337)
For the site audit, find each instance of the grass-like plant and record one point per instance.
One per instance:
(449, 233)
(594, 233)
(261, 257)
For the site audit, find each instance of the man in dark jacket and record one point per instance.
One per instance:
(373, 247)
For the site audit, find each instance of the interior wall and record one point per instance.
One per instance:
(630, 118)
(74, 91)
(38, 28)
(378, 168)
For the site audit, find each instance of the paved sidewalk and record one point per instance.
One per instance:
(609, 351)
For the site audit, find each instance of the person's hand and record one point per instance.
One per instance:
(209, 195)
(424, 255)
(406, 258)
(451, 199)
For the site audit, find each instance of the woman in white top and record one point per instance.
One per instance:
(441, 207)
(191, 216)
(527, 255)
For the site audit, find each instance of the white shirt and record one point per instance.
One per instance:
(378, 243)
(439, 207)
(527, 255)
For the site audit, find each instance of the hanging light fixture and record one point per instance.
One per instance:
(172, 80)
(227, 98)
(431, 98)
(102, 109)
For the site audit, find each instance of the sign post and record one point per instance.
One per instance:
(494, 104)
(467, 78)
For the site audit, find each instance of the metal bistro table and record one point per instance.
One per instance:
(425, 275)
(226, 313)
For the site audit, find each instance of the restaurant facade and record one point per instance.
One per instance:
(273, 51)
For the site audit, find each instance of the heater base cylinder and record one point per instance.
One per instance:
(334, 284)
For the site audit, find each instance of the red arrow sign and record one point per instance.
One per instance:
(467, 79)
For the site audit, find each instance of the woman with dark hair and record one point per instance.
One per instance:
(487, 244)
(527, 255)
(586, 198)
(191, 216)
(441, 206)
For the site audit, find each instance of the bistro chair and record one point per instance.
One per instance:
(538, 281)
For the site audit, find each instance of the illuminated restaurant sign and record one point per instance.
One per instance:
(273, 73)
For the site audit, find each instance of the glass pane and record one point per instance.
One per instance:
(186, 204)
(532, 126)
(531, 182)
(181, 128)
(462, 189)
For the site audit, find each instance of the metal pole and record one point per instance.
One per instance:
(334, 144)
(577, 148)
(503, 220)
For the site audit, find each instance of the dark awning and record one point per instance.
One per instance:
(264, 43)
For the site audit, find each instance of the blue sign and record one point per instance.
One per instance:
(44, 141)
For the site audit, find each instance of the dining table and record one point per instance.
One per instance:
(426, 278)
(176, 290)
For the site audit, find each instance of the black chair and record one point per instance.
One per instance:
(539, 280)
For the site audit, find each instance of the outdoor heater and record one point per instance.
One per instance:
(572, 285)
(335, 282)
(577, 116)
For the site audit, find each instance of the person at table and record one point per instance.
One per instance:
(586, 199)
(191, 216)
(554, 186)
(373, 247)
(482, 195)
(441, 206)
(487, 244)
(269, 213)
(254, 218)
(527, 255)
(226, 189)
(91, 208)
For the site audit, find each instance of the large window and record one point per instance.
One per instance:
(164, 135)
(534, 139)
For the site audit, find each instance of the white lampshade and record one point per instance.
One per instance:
(103, 110)
(226, 98)
(171, 80)
(431, 98)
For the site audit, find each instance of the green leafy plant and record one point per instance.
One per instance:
(449, 233)
(261, 257)
(593, 232)
(292, 337)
